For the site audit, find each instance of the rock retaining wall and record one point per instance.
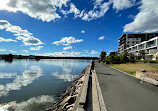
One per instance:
(67, 101)
(148, 77)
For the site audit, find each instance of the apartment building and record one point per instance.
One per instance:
(131, 39)
(150, 48)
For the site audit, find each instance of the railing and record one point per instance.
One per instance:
(151, 45)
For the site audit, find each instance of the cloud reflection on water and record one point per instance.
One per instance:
(7, 75)
(67, 66)
(26, 78)
(33, 104)
(60, 69)
(66, 75)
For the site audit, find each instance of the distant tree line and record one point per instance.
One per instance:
(10, 57)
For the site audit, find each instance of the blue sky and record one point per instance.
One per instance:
(71, 27)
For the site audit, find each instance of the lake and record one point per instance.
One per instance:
(32, 85)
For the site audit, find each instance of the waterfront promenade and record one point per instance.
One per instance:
(108, 89)
(122, 92)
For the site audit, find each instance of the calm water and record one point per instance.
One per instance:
(31, 85)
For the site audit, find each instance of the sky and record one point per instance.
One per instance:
(72, 27)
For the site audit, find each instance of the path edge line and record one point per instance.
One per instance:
(99, 92)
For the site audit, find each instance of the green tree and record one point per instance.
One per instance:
(113, 53)
(131, 58)
(103, 55)
(114, 59)
(142, 54)
(124, 58)
(117, 59)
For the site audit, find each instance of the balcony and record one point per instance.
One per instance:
(152, 51)
(150, 45)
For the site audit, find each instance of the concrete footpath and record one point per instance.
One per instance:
(122, 92)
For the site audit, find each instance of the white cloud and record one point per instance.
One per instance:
(67, 41)
(31, 41)
(94, 52)
(63, 54)
(7, 40)
(45, 10)
(131, 16)
(122, 4)
(99, 9)
(23, 35)
(4, 24)
(25, 51)
(86, 51)
(101, 38)
(82, 31)
(12, 51)
(94, 14)
(73, 9)
(2, 50)
(67, 48)
(146, 20)
(36, 48)
(50, 10)
(97, 3)
(18, 31)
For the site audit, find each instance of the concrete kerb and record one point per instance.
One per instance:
(81, 99)
(102, 106)
(95, 98)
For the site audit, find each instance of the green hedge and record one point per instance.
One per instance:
(147, 61)
(115, 59)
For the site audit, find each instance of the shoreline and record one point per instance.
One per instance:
(66, 101)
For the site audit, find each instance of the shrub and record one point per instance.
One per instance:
(114, 59)
(107, 62)
(124, 58)
(145, 61)
(132, 61)
(152, 61)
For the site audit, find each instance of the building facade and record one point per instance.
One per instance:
(149, 47)
(130, 39)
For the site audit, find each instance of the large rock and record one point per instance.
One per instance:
(155, 56)
(65, 100)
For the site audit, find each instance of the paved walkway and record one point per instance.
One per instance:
(122, 92)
